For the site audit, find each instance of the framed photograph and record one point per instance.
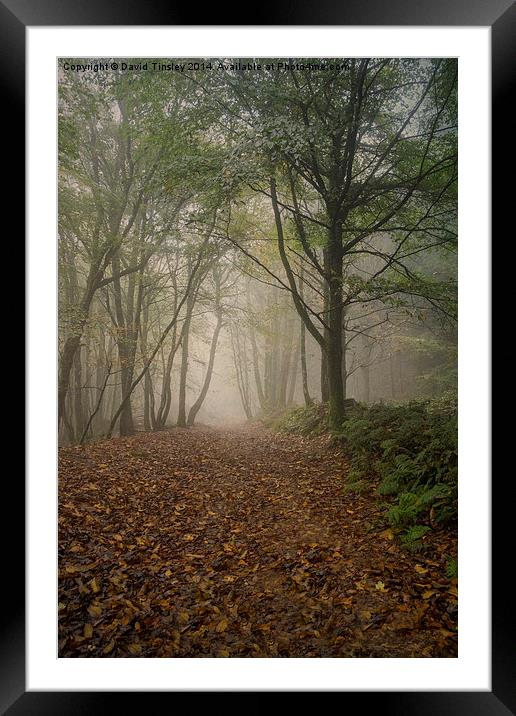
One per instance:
(266, 311)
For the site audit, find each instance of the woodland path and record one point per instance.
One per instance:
(242, 542)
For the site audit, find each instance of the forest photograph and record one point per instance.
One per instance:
(257, 357)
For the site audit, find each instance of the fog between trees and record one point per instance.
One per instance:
(234, 242)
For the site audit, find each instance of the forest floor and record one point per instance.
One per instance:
(242, 542)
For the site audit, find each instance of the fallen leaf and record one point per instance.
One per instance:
(221, 626)
(268, 578)
(387, 534)
(74, 568)
(94, 610)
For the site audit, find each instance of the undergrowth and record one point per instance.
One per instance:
(409, 451)
(312, 420)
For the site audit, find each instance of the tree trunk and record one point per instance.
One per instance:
(293, 375)
(302, 347)
(285, 363)
(126, 425)
(274, 364)
(256, 370)
(181, 413)
(254, 353)
(344, 368)
(97, 407)
(94, 280)
(335, 316)
(65, 367)
(240, 363)
(204, 390)
(78, 396)
(149, 417)
(141, 374)
(304, 371)
(166, 387)
(67, 422)
(325, 385)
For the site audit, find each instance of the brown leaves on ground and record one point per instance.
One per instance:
(237, 543)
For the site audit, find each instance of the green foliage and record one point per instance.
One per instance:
(312, 420)
(356, 474)
(405, 511)
(411, 506)
(356, 480)
(357, 487)
(452, 567)
(413, 536)
(412, 448)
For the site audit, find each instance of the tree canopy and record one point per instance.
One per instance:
(192, 200)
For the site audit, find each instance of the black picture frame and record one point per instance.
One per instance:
(15, 16)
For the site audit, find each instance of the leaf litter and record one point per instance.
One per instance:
(220, 543)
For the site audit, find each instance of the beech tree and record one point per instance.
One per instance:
(363, 149)
(264, 216)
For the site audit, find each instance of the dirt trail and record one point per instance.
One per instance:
(239, 543)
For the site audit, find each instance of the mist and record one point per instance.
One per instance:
(196, 284)
(257, 394)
